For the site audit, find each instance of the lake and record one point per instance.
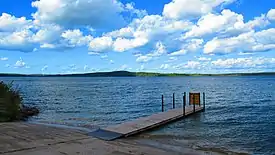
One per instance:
(239, 116)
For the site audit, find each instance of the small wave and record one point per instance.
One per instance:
(221, 150)
(163, 136)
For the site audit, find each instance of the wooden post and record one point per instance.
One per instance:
(173, 100)
(162, 103)
(194, 105)
(203, 101)
(184, 103)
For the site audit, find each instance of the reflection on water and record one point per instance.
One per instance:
(239, 116)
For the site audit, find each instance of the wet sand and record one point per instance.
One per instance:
(34, 139)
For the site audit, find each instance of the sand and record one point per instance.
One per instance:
(34, 139)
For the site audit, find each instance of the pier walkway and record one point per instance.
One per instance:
(156, 120)
(143, 124)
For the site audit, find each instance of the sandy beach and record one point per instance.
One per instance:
(34, 139)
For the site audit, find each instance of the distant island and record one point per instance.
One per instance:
(130, 74)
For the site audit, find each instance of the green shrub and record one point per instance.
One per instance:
(10, 103)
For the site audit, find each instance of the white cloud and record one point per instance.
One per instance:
(122, 44)
(204, 59)
(11, 23)
(139, 13)
(44, 68)
(48, 46)
(72, 67)
(86, 68)
(247, 42)
(76, 37)
(243, 62)
(271, 14)
(178, 53)
(101, 44)
(17, 41)
(194, 44)
(159, 50)
(227, 23)
(4, 58)
(72, 13)
(144, 58)
(104, 56)
(178, 9)
(172, 59)
(189, 65)
(192, 65)
(164, 66)
(20, 64)
(147, 31)
(123, 32)
(93, 53)
(48, 34)
(124, 67)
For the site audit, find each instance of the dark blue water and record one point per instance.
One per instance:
(240, 114)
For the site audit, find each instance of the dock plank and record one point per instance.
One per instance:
(145, 123)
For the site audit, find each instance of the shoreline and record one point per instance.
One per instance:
(139, 74)
(32, 139)
(145, 140)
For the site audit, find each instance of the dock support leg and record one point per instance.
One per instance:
(203, 101)
(162, 103)
(194, 105)
(173, 100)
(184, 103)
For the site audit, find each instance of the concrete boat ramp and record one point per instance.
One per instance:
(36, 139)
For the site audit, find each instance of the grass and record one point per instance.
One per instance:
(11, 104)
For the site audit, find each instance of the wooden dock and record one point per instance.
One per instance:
(144, 124)
(156, 120)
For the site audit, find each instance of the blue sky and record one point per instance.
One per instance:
(184, 36)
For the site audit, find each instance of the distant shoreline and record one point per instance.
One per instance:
(131, 74)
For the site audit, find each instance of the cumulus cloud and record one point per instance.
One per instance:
(17, 41)
(123, 67)
(188, 46)
(172, 59)
(44, 68)
(122, 44)
(178, 53)
(76, 37)
(72, 13)
(204, 59)
(243, 62)
(11, 23)
(47, 34)
(164, 66)
(144, 58)
(178, 9)
(20, 64)
(159, 50)
(227, 23)
(247, 42)
(86, 68)
(147, 31)
(104, 56)
(271, 14)
(4, 58)
(189, 65)
(101, 44)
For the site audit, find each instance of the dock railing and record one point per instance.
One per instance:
(194, 100)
